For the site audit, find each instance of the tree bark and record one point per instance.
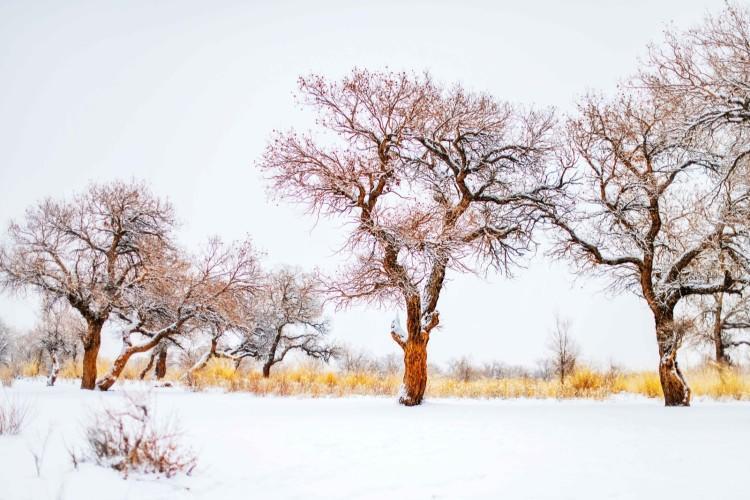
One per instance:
(415, 356)
(272, 353)
(415, 371)
(161, 363)
(91, 344)
(150, 365)
(721, 356)
(117, 367)
(267, 368)
(673, 384)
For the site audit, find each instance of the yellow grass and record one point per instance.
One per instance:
(316, 381)
(7, 376)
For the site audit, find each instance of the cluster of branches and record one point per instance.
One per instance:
(285, 316)
(432, 179)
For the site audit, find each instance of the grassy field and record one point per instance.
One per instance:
(318, 380)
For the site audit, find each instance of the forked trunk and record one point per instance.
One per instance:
(673, 384)
(91, 344)
(415, 371)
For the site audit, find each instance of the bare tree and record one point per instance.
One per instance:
(463, 369)
(290, 318)
(431, 180)
(283, 315)
(87, 251)
(58, 334)
(723, 322)
(705, 73)
(651, 214)
(563, 348)
(178, 292)
(351, 360)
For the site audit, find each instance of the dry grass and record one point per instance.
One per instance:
(7, 376)
(319, 381)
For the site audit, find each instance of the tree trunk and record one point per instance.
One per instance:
(673, 384)
(161, 364)
(272, 353)
(150, 365)
(415, 371)
(118, 366)
(91, 344)
(718, 333)
(54, 369)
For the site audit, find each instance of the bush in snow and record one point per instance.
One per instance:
(13, 416)
(129, 439)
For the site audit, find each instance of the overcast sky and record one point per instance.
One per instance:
(184, 94)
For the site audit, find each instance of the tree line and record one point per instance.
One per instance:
(647, 186)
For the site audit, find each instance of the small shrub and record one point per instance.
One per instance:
(128, 440)
(13, 416)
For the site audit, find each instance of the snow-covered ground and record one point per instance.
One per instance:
(252, 447)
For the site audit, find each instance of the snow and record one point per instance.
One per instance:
(367, 447)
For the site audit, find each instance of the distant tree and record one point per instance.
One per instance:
(57, 334)
(351, 360)
(500, 370)
(289, 317)
(724, 324)
(390, 364)
(462, 369)
(87, 251)
(563, 349)
(431, 180)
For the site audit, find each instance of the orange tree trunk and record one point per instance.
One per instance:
(415, 371)
(91, 344)
(673, 383)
